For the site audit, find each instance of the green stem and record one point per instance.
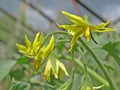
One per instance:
(110, 80)
(57, 32)
(92, 73)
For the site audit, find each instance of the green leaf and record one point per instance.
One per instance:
(19, 85)
(113, 49)
(17, 74)
(23, 60)
(5, 67)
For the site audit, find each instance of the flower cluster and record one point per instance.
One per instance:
(81, 27)
(36, 50)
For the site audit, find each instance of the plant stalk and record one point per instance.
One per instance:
(110, 80)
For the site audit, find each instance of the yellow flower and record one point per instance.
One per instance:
(82, 27)
(56, 71)
(36, 50)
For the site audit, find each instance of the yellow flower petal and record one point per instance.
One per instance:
(104, 24)
(35, 43)
(40, 54)
(27, 41)
(49, 47)
(37, 64)
(61, 67)
(57, 72)
(41, 39)
(71, 28)
(87, 34)
(101, 28)
(75, 19)
(21, 48)
(49, 70)
(74, 39)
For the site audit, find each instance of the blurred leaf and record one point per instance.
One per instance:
(23, 60)
(5, 67)
(19, 85)
(113, 49)
(77, 81)
(17, 74)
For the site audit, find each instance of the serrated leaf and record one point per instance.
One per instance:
(5, 67)
(113, 49)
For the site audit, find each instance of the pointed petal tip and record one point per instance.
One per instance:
(25, 35)
(63, 11)
(38, 33)
(67, 74)
(17, 44)
(52, 40)
(57, 25)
